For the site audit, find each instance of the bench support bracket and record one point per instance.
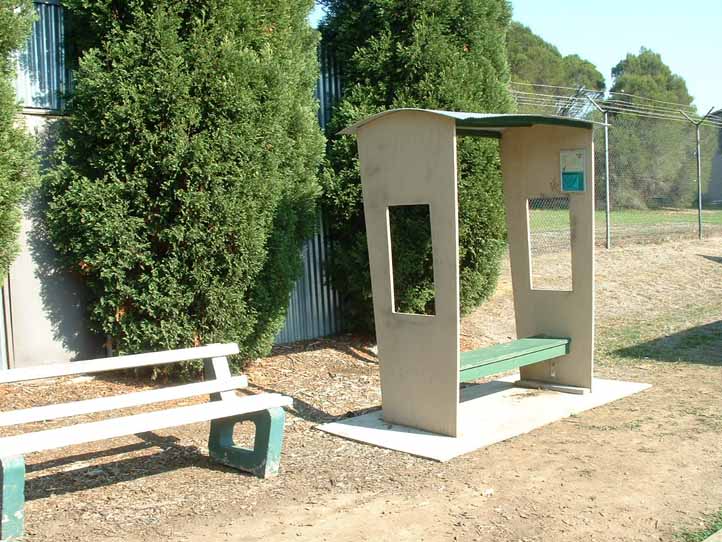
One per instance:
(12, 498)
(264, 458)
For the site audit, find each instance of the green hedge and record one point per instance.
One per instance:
(424, 53)
(186, 182)
(18, 161)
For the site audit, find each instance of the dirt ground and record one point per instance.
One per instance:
(642, 468)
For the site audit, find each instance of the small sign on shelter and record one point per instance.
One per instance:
(572, 164)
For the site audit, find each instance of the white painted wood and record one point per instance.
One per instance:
(116, 402)
(120, 362)
(530, 167)
(218, 368)
(130, 425)
(409, 158)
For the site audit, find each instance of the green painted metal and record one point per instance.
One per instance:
(500, 352)
(12, 498)
(508, 356)
(478, 133)
(573, 181)
(265, 457)
(481, 124)
(516, 121)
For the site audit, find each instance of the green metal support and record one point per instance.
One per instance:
(263, 460)
(12, 498)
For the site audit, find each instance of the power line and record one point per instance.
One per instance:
(617, 96)
(675, 104)
(623, 103)
(577, 105)
(610, 93)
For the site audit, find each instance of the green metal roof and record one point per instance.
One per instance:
(483, 124)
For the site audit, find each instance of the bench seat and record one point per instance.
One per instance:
(512, 355)
(50, 439)
(118, 402)
(225, 410)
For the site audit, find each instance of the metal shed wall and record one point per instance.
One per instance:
(313, 309)
(42, 76)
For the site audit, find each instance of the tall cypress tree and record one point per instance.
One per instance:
(423, 53)
(18, 162)
(187, 180)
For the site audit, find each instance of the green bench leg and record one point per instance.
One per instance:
(12, 499)
(263, 460)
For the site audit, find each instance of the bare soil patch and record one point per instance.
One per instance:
(638, 469)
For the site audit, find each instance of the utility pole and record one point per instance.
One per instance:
(699, 167)
(608, 243)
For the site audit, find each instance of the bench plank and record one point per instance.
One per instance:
(121, 362)
(129, 425)
(508, 356)
(116, 402)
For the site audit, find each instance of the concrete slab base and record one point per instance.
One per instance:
(488, 413)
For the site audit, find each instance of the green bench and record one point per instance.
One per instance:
(508, 356)
(224, 411)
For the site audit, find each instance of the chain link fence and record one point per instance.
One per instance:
(653, 180)
(549, 225)
(550, 232)
(653, 189)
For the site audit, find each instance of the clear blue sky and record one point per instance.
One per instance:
(688, 35)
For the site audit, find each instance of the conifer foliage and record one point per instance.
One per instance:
(18, 163)
(422, 53)
(186, 182)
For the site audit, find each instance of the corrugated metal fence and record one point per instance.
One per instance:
(42, 76)
(313, 310)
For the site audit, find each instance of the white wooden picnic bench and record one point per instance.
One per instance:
(224, 411)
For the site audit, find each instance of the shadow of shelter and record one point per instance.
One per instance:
(701, 344)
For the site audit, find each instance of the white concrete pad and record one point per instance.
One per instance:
(489, 413)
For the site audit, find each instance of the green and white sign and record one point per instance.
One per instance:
(572, 164)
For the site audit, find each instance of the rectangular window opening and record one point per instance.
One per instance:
(412, 259)
(550, 243)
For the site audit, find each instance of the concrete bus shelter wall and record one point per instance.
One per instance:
(530, 167)
(408, 157)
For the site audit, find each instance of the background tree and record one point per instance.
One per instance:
(18, 162)
(423, 53)
(645, 74)
(653, 159)
(536, 61)
(187, 179)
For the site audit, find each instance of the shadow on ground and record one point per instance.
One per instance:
(172, 457)
(306, 411)
(701, 344)
(715, 259)
(357, 347)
